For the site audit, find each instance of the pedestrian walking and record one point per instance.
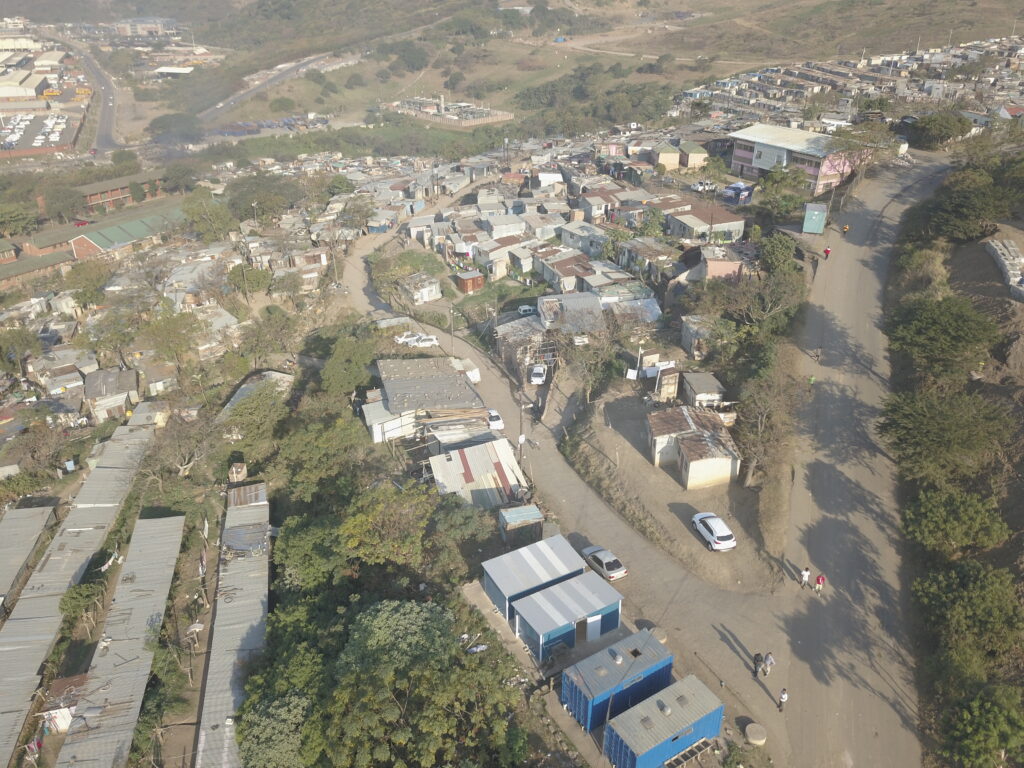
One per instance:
(805, 577)
(819, 583)
(769, 662)
(828, 252)
(758, 664)
(783, 698)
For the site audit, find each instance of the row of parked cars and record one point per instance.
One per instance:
(16, 128)
(420, 340)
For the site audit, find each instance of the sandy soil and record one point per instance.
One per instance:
(618, 428)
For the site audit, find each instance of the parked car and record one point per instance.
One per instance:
(407, 337)
(703, 186)
(494, 420)
(425, 341)
(714, 531)
(527, 309)
(604, 562)
(538, 374)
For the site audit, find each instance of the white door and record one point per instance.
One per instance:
(593, 628)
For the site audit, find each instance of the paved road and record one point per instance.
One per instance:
(843, 657)
(279, 76)
(104, 106)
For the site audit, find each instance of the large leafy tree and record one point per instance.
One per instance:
(764, 302)
(931, 131)
(62, 203)
(972, 604)
(943, 338)
(87, 279)
(938, 437)
(173, 334)
(346, 368)
(986, 730)
(15, 345)
(176, 128)
(249, 280)
(273, 195)
(385, 525)
(409, 695)
(272, 732)
(207, 218)
(968, 206)
(16, 219)
(255, 418)
(949, 521)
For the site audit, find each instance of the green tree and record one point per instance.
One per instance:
(340, 185)
(15, 345)
(249, 280)
(767, 403)
(385, 525)
(346, 368)
(273, 331)
(124, 157)
(765, 302)
(176, 128)
(777, 253)
(137, 191)
(282, 104)
(210, 220)
(967, 206)
(934, 130)
(355, 80)
(111, 334)
(653, 224)
(972, 604)
(87, 279)
(255, 419)
(271, 732)
(938, 437)
(408, 695)
(178, 177)
(290, 285)
(272, 196)
(63, 203)
(944, 339)
(950, 521)
(16, 219)
(173, 334)
(986, 730)
(454, 81)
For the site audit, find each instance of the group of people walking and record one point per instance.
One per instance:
(763, 664)
(805, 580)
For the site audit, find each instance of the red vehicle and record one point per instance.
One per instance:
(92, 151)
(81, 223)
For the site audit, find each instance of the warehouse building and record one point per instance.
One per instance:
(683, 717)
(523, 571)
(568, 613)
(22, 84)
(614, 679)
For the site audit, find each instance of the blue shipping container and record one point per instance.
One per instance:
(663, 726)
(613, 680)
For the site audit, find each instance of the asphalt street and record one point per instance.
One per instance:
(104, 99)
(844, 656)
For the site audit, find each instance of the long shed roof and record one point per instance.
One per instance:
(29, 632)
(528, 567)
(120, 667)
(566, 602)
(663, 715)
(20, 529)
(239, 627)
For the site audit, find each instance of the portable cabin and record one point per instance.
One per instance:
(665, 725)
(613, 680)
(568, 613)
(529, 569)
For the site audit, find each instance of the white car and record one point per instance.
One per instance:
(538, 374)
(425, 341)
(714, 531)
(703, 186)
(494, 420)
(527, 309)
(604, 562)
(408, 337)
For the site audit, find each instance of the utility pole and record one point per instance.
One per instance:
(451, 310)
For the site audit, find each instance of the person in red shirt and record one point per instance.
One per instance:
(819, 583)
(828, 251)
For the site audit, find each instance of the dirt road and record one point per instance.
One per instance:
(843, 656)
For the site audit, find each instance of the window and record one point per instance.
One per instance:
(757, 155)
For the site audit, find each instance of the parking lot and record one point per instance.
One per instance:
(36, 131)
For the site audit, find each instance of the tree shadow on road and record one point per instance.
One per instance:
(839, 424)
(744, 654)
(837, 494)
(839, 350)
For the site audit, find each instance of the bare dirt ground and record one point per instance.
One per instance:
(617, 435)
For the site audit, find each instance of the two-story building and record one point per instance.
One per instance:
(761, 147)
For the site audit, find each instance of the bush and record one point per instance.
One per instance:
(282, 104)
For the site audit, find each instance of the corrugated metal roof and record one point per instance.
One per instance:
(424, 384)
(19, 531)
(120, 669)
(609, 667)
(528, 567)
(647, 725)
(566, 602)
(239, 628)
(486, 475)
(515, 515)
(246, 495)
(29, 632)
(793, 139)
